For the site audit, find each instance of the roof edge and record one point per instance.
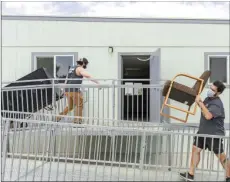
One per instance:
(115, 19)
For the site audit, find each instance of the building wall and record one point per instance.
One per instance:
(182, 46)
(63, 33)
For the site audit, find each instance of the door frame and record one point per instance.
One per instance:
(120, 70)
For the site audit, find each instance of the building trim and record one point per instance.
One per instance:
(206, 62)
(116, 19)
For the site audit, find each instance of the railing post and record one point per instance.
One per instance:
(53, 97)
(229, 109)
(5, 140)
(52, 131)
(169, 151)
(142, 152)
(113, 100)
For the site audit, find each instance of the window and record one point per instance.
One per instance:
(46, 62)
(219, 67)
(57, 65)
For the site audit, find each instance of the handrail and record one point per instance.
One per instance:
(11, 88)
(63, 79)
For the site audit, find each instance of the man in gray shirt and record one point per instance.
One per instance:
(211, 123)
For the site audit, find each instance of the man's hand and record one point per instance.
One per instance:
(198, 99)
(203, 108)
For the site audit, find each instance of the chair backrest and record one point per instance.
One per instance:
(205, 76)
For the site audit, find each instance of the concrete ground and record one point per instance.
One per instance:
(35, 170)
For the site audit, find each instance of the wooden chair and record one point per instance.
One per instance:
(183, 94)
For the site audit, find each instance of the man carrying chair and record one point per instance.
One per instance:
(211, 123)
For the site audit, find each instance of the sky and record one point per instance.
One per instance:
(200, 10)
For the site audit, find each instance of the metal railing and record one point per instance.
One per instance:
(65, 151)
(122, 136)
(111, 100)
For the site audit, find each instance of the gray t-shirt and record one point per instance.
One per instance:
(215, 126)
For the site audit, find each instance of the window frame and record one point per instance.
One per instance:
(216, 55)
(54, 55)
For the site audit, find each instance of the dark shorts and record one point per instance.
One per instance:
(212, 144)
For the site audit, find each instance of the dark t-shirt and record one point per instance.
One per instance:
(78, 81)
(215, 126)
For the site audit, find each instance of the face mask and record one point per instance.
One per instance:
(210, 93)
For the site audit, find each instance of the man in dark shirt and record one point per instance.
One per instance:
(211, 123)
(74, 95)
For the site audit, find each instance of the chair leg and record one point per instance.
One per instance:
(166, 98)
(162, 107)
(165, 104)
(173, 117)
(186, 119)
(195, 108)
(196, 105)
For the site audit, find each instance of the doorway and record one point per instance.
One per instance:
(140, 103)
(134, 98)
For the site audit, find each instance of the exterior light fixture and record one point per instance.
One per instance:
(110, 49)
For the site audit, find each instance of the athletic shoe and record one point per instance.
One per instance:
(187, 176)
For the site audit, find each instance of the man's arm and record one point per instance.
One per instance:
(208, 115)
(212, 111)
(87, 75)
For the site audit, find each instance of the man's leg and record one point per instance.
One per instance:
(218, 149)
(78, 101)
(195, 159)
(225, 162)
(198, 145)
(68, 108)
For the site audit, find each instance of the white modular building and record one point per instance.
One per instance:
(117, 48)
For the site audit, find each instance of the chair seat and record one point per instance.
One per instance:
(180, 87)
(180, 93)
